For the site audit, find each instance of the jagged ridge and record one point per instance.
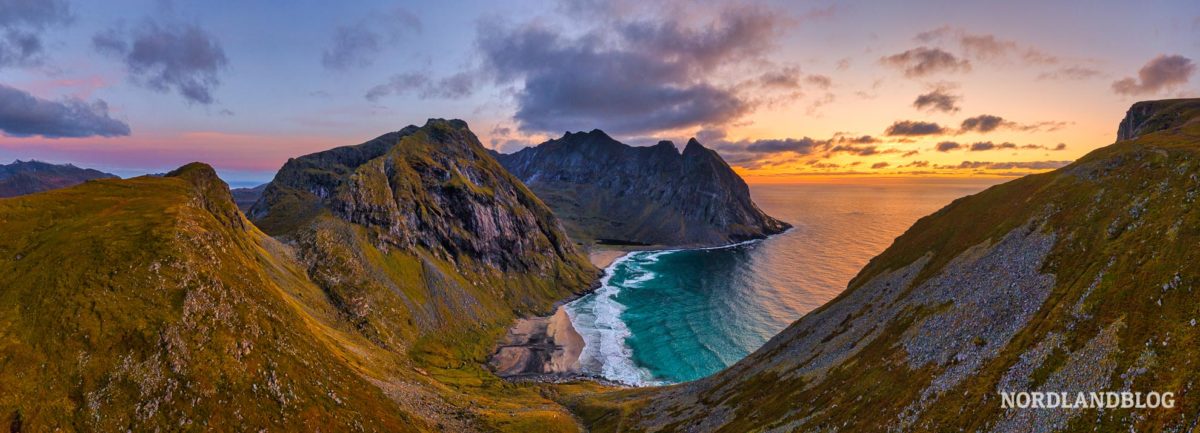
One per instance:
(606, 190)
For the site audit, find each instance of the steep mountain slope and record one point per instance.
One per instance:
(1081, 279)
(174, 314)
(608, 191)
(430, 249)
(28, 177)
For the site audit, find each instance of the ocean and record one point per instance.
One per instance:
(671, 316)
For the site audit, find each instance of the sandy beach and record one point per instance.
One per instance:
(539, 346)
(602, 258)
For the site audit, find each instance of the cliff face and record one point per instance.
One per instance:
(1081, 279)
(28, 177)
(1152, 116)
(428, 248)
(608, 191)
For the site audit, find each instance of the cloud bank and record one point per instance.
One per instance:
(24, 115)
(630, 75)
(22, 23)
(1162, 73)
(182, 58)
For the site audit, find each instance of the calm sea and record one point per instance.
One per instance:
(673, 316)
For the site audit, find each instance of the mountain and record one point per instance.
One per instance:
(175, 314)
(28, 177)
(430, 249)
(611, 192)
(246, 197)
(398, 265)
(1079, 279)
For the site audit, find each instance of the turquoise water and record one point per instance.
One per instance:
(672, 316)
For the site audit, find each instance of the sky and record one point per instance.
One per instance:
(784, 90)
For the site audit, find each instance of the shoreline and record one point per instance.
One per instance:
(547, 349)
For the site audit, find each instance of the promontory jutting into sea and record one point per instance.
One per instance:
(570, 216)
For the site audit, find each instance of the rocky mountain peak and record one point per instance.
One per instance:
(694, 148)
(608, 191)
(210, 192)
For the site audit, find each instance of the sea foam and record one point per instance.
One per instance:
(597, 318)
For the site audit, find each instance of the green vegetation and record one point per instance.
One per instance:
(1125, 224)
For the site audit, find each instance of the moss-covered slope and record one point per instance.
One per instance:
(151, 304)
(430, 249)
(1081, 279)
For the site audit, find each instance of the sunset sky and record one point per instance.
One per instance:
(784, 91)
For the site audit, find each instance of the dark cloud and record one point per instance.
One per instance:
(855, 149)
(938, 99)
(23, 115)
(1023, 165)
(803, 145)
(879, 165)
(914, 127)
(820, 81)
(1070, 73)
(910, 153)
(988, 47)
(456, 86)
(923, 61)
(162, 57)
(858, 139)
(947, 146)
(988, 145)
(916, 164)
(358, 44)
(707, 135)
(1160, 73)
(629, 76)
(787, 78)
(22, 23)
(985, 123)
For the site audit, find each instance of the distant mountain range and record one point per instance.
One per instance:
(28, 177)
(607, 191)
(1083, 279)
(246, 197)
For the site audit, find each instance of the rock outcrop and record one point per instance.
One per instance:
(28, 177)
(1152, 116)
(482, 248)
(607, 191)
(1078, 280)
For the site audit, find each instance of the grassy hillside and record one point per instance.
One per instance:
(1081, 279)
(430, 250)
(151, 304)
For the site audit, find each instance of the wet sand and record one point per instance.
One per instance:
(602, 258)
(539, 346)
